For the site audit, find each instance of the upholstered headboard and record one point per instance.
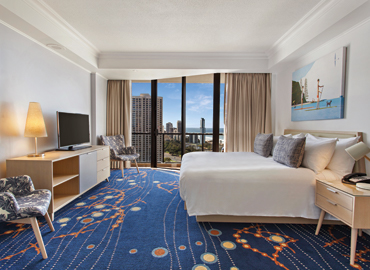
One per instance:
(359, 165)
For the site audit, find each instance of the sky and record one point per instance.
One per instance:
(199, 102)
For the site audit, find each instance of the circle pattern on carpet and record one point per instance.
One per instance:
(208, 257)
(228, 245)
(159, 252)
(214, 232)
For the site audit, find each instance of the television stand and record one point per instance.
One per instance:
(73, 148)
(67, 174)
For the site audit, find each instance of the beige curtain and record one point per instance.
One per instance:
(247, 109)
(119, 110)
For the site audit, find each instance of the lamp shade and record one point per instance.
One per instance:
(35, 124)
(358, 151)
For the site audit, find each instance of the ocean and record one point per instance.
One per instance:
(208, 130)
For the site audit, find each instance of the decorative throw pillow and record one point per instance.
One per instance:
(263, 144)
(275, 139)
(341, 163)
(289, 151)
(318, 152)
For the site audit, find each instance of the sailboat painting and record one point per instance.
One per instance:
(318, 88)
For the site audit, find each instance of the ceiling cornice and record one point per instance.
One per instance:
(305, 20)
(182, 55)
(44, 19)
(48, 12)
(325, 14)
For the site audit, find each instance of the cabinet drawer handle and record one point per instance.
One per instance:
(104, 169)
(333, 203)
(104, 158)
(332, 190)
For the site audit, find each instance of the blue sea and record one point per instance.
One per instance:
(309, 111)
(208, 130)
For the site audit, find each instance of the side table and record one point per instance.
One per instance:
(347, 203)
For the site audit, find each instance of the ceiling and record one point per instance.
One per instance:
(141, 39)
(182, 26)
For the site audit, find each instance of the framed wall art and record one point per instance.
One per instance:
(318, 88)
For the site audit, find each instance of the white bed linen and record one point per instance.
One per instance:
(245, 184)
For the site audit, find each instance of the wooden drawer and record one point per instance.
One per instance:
(103, 163)
(102, 153)
(103, 174)
(335, 195)
(334, 209)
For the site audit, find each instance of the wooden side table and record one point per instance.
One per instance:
(347, 203)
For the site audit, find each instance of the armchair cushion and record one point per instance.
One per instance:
(8, 206)
(35, 203)
(19, 199)
(129, 150)
(17, 185)
(128, 157)
(117, 149)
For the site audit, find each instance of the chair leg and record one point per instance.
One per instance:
(121, 165)
(49, 222)
(137, 167)
(36, 230)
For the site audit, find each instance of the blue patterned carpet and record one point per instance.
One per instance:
(139, 222)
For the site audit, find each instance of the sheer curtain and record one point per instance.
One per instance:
(247, 109)
(119, 110)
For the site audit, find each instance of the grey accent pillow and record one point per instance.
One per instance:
(263, 144)
(289, 151)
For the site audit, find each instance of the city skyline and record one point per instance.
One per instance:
(199, 102)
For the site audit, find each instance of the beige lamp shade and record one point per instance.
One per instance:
(358, 151)
(35, 124)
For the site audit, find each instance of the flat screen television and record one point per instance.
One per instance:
(73, 129)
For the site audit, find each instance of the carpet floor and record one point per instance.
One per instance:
(139, 222)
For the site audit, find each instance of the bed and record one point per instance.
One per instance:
(246, 187)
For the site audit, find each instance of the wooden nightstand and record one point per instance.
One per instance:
(345, 202)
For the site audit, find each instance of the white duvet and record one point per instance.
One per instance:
(245, 184)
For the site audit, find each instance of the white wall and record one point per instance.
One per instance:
(357, 90)
(101, 104)
(29, 72)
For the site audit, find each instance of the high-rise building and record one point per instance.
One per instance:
(202, 128)
(141, 123)
(193, 138)
(176, 137)
(179, 130)
(169, 129)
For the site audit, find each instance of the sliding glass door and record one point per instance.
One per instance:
(171, 117)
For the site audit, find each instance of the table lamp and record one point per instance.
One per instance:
(35, 125)
(358, 151)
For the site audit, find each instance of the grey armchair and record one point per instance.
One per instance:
(118, 151)
(21, 203)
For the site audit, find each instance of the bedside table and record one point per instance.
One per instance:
(345, 202)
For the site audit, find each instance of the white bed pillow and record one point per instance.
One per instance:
(341, 163)
(275, 139)
(318, 152)
(328, 175)
(300, 135)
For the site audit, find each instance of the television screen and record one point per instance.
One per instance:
(73, 129)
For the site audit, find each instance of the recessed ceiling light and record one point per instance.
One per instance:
(55, 46)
